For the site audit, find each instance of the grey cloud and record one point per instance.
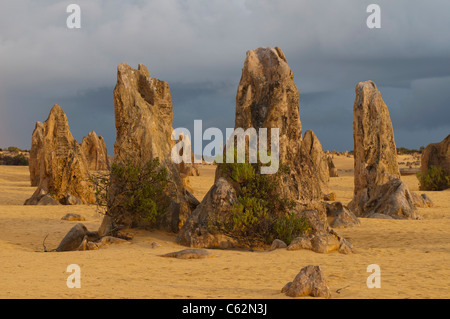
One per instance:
(199, 47)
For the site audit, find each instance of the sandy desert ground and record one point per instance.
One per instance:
(413, 256)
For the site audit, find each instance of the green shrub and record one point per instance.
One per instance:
(434, 179)
(291, 226)
(261, 213)
(139, 192)
(142, 189)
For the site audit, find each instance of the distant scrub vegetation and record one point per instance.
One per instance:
(401, 151)
(15, 156)
(18, 159)
(407, 151)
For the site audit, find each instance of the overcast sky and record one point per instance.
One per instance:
(199, 47)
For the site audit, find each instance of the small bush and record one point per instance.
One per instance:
(434, 179)
(139, 192)
(290, 226)
(261, 213)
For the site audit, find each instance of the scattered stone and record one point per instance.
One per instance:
(73, 217)
(75, 238)
(300, 243)
(340, 216)
(422, 200)
(189, 254)
(331, 197)
(276, 244)
(310, 281)
(325, 244)
(79, 238)
(321, 238)
(393, 199)
(47, 200)
(104, 241)
(69, 199)
(155, 245)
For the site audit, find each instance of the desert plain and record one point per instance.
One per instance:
(413, 255)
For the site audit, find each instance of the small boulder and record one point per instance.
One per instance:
(75, 238)
(276, 244)
(69, 199)
(422, 200)
(340, 216)
(73, 217)
(47, 200)
(300, 243)
(331, 197)
(189, 254)
(105, 241)
(324, 244)
(155, 245)
(310, 281)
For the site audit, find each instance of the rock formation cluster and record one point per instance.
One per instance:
(268, 98)
(58, 167)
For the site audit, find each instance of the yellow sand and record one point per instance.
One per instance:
(413, 255)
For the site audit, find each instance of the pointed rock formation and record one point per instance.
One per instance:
(332, 170)
(187, 168)
(62, 168)
(94, 150)
(266, 98)
(312, 145)
(378, 188)
(143, 117)
(37, 141)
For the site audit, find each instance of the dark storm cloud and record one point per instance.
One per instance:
(199, 47)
